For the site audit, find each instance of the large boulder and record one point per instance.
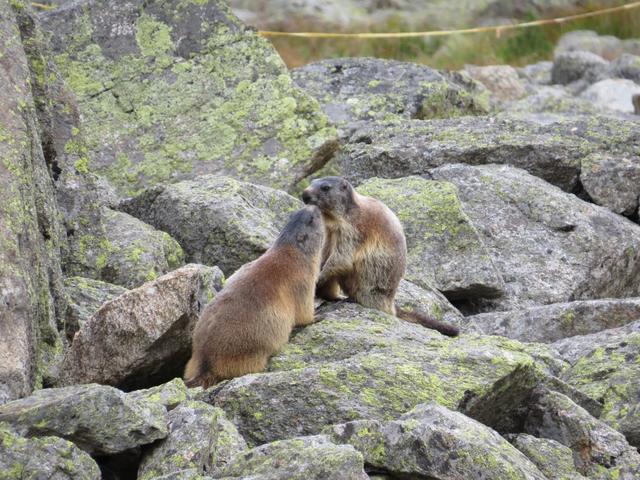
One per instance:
(45, 457)
(99, 419)
(501, 80)
(303, 458)
(612, 181)
(357, 89)
(627, 66)
(549, 246)
(552, 458)
(550, 323)
(172, 90)
(200, 437)
(606, 46)
(434, 442)
(142, 337)
(356, 363)
(578, 66)
(613, 94)
(444, 250)
(411, 297)
(219, 221)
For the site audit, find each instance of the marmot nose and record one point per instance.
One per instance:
(306, 197)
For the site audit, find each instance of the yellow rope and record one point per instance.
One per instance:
(498, 29)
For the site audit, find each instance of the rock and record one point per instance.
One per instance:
(501, 80)
(598, 450)
(86, 296)
(357, 89)
(46, 457)
(627, 66)
(99, 419)
(304, 458)
(606, 367)
(537, 73)
(549, 246)
(357, 363)
(219, 220)
(143, 337)
(528, 141)
(434, 442)
(552, 458)
(613, 93)
(173, 90)
(137, 252)
(606, 46)
(443, 247)
(200, 437)
(573, 66)
(169, 394)
(31, 232)
(549, 323)
(427, 300)
(553, 99)
(612, 181)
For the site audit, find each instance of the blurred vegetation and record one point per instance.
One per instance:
(518, 47)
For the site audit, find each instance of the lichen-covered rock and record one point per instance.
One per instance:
(169, 394)
(356, 89)
(303, 458)
(536, 73)
(47, 457)
(172, 90)
(86, 296)
(443, 247)
(501, 80)
(137, 252)
(553, 99)
(627, 66)
(99, 419)
(31, 230)
(599, 452)
(552, 458)
(612, 181)
(200, 437)
(143, 337)
(606, 366)
(218, 220)
(549, 246)
(357, 363)
(434, 442)
(574, 66)
(613, 94)
(606, 46)
(428, 300)
(550, 323)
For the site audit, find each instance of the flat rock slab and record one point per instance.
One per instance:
(172, 90)
(218, 220)
(99, 419)
(142, 337)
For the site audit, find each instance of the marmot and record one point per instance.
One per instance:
(635, 99)
(365, 252)
(253, 315)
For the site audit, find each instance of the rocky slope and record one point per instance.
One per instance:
(148, 149)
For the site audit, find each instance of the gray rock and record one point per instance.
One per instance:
(537, 73)
(169, 394)
(553, 99)
(501, 80)
(47, 457)
(549, 246)
(549, 323)
(434, 442)
(427, 300)
(599, 452)
(574, 66)
(612, 93)
(200, 438)
(303, 458)
(627, 66)
(529, 141)
(553, 459)
(357, 363)
(356, 89)
(143, 337)
(612, 181)
(173, 90)
(219, 221)
(606, 46)
(86, 296)
(137, 252)
(99, 419)
(443, 247)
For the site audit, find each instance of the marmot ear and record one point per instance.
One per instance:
(344, 184)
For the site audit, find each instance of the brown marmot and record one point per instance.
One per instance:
(365, 252)
(252, 317)
(635, 99)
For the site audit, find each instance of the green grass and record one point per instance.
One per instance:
(518, 47)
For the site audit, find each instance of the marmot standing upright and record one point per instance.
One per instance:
(365, 252)
(252, 317)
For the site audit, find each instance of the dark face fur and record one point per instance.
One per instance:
(304, 229)
(333, 195)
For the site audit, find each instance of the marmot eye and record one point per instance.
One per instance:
(325, 188)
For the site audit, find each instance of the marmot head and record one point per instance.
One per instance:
(333, 195)
(305, 230)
